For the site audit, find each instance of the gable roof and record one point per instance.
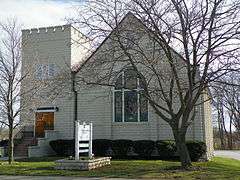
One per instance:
(77, 68)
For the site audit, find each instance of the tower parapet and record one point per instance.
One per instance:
(61, 45)
(50, 29)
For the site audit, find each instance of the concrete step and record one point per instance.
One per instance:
(22, 148)
(21, 145)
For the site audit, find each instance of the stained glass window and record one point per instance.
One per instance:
(130, 104)
(118, 106)
(118, 84)
(143, 107)
(130, 79)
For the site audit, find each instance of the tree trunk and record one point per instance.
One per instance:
(10, 145)
(182, 149)
(220, 130)
(230, 135)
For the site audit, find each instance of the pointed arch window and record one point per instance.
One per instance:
(130, 104)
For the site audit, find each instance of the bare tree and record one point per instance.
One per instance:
(11, 77)
(195, 41)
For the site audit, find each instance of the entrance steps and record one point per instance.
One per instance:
(21, 149)
(43, 148)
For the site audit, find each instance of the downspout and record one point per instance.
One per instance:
(75, 97)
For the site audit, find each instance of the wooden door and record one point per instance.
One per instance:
(44, 121)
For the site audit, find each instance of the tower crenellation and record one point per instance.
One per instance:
(50, 29)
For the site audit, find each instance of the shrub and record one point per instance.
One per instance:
(166, 148)
(63, 147)
(4, 143)
(121, 147)
(196, 149)
(100, 146)
(143, 148)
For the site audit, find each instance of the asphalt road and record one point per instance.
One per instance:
(228, 153)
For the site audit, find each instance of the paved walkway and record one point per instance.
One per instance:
(6, 158)
(228, 153)
(52, 178)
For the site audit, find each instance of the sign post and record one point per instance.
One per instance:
(83, 139)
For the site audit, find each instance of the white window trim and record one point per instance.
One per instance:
(138, 89)
(46, 110)
(51, 110)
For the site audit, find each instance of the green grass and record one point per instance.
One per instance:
(218, 168)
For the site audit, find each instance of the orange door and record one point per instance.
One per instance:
(44, 121)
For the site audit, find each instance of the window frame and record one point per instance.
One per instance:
(123, 90)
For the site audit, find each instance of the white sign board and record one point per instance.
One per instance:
(83, 139)
(84, 132)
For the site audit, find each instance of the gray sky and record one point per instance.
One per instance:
(37, 13)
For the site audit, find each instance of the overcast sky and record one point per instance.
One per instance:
(37, 13)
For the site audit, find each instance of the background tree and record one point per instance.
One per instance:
(197, 42)
(226, 104)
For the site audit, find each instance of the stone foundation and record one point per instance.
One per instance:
(66, 164)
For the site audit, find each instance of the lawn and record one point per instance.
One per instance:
(218, 168)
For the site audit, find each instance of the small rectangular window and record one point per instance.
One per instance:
(51, 70)
(39, 72)
(45, 71)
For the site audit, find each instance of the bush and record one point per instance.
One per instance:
(196, 149)
(63, 147)
(4, 143)
(166, 149)
(143, 148)
(100, 146)
(121, 147)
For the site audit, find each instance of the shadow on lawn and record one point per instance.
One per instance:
(224, 170)
(219, 168)
(40, 159)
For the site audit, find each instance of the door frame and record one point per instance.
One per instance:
(45, 110)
